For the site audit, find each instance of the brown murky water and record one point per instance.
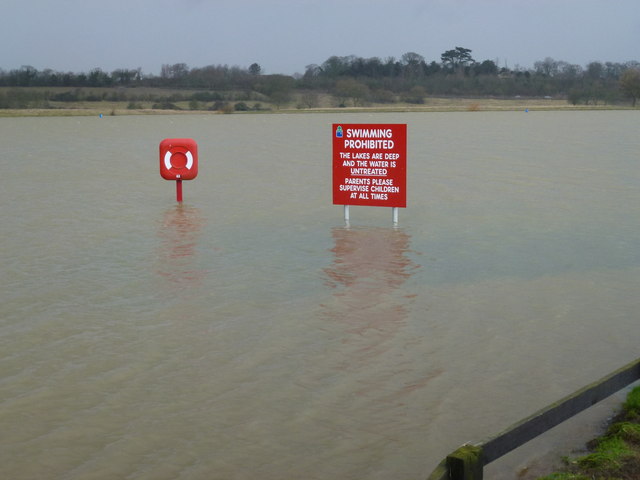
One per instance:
(249, 333)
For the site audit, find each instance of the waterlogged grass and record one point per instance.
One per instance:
(615, 455)
(628, 431)
(148, 101)
(567, 476)
(632, 405)
(610, 453)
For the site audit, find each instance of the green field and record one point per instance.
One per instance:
(66, 101)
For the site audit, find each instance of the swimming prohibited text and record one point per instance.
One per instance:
(370, 165)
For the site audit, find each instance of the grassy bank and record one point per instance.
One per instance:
(41, 101)
(613, 456)
(479, 106)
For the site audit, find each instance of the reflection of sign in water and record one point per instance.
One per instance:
(370, 164)
(179, 235)
(369, 268)
(368, 273)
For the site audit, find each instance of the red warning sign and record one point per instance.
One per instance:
(178, 159)
(370, 164)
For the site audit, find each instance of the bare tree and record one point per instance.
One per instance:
(630, 84)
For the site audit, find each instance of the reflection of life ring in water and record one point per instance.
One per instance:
(178, 159)
(179, 233)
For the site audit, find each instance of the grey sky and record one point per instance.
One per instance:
(284, 36)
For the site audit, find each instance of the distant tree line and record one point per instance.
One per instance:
(350, 80)
(411, 79)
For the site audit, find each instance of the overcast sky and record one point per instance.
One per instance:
(284, 36)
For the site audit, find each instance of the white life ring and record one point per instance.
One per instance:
(167, 160)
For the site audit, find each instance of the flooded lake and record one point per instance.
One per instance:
(249, 333)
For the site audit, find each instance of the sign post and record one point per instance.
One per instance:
(178, 161)
(370, 166)
(179, 190)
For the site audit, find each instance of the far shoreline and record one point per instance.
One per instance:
(436, 105)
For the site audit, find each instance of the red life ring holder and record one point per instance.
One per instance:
(178, 159)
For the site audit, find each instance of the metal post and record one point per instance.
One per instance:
(346, 214)
(394, 212)
(179, 190)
